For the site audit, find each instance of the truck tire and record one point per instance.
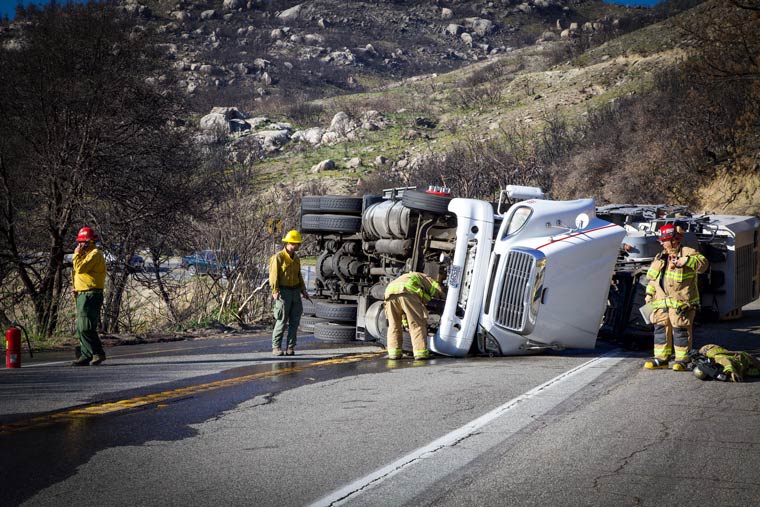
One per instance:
(375, 321)
(310, 224)
(310, 204)
(324, 267)
(308, 322)
(339, 312)
(341, 204)
(309, 307)
(339, 223)
(422, 201)
(331, 332)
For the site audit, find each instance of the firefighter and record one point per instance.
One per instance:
(89, 278)
(405, 300)
(674, 296)
(288, 285)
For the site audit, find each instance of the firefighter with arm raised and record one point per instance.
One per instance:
(89, 279)
(674, 296)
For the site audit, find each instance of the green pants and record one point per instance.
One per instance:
(88, 318)
(287, 312)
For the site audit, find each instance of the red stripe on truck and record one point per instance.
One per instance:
(574, 235)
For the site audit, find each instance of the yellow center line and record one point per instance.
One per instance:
(163, 396)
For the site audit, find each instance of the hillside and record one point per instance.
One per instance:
(525, 92)
(348, 95)
(426, 113)
(236, 51)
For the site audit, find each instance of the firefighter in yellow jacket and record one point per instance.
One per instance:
(89, 278)
(288, 286)
(674, 296)
(405, 299)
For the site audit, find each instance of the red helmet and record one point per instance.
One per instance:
(669, 232)
(86, 234)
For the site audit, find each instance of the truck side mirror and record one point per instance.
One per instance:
(582, 221)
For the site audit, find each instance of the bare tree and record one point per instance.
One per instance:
(90, 135)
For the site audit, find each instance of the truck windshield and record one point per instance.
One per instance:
(517, 220)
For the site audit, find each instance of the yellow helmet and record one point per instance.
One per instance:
(293, 236)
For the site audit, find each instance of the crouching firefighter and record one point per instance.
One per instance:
(405, 300)
(674, 296)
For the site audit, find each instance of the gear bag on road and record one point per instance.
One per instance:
(715, 362)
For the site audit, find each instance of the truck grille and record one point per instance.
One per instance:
(511, 304)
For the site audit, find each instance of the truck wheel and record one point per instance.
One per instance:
(340, 204)
(340, 312)
(422, 201)
(331, 332)
(310, 224)
(309, 307)
(324, 266)
(310, 204)
(339, 223)
(376, 323)
(308, 322)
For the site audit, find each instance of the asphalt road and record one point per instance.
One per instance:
(223, 422)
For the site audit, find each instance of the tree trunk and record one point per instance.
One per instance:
(112, 305)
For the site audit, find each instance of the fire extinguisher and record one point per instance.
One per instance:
(13, 347)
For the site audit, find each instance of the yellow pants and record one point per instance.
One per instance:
(396, 307)
(673, 332)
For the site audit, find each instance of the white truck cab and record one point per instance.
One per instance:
(571, 255)
(547, 257)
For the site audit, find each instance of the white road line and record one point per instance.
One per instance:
(37, 365)
(373, 479)
(135, 354)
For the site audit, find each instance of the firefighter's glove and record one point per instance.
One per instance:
(648, 299)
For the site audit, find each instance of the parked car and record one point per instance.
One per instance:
(208, 262)
(136, 262)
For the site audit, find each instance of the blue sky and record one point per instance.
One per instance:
(648, 3)
(9, 6)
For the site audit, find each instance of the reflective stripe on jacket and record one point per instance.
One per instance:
(676, 288)
(415, 283)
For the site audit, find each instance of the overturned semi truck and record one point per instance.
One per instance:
(522, 275)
